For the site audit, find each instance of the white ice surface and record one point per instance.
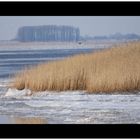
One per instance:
(74, 106)
(53, 45)
(81, 99)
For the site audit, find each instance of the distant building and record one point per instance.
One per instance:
(48, 33)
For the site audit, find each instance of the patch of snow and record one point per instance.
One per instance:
(14, 92)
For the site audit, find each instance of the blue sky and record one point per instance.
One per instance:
(89, 25)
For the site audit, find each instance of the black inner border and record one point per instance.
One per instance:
(70, 9)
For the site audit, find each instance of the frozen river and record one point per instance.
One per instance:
(65, 107)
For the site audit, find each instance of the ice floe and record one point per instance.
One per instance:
(15, 92)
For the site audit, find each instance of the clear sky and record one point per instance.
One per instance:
(89, 25)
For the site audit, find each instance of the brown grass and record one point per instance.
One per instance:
(18, 120)
(114, 69)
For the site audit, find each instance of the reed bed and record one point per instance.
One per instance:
(115, 69)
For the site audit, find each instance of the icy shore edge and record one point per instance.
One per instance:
(12, 92)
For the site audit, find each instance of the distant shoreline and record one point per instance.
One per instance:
(14, 45)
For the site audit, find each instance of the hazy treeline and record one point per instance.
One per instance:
(116, 36)
(48, 33)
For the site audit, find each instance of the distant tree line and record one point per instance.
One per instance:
(48, 33)
(116, 36)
